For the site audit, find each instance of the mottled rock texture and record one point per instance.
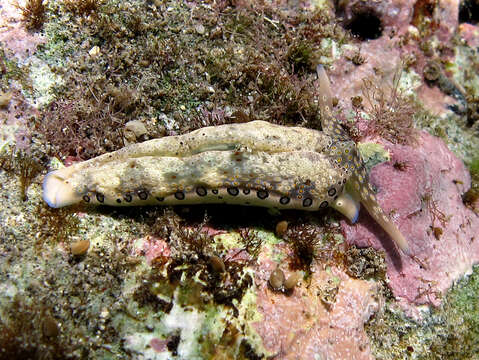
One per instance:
(300, 324)
(422, 187)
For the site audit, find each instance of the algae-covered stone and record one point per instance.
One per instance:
(373, 154)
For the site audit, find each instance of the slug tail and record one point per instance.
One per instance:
(363, 190)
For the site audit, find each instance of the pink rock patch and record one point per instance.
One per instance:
(158, 345)
(155, 249)
(301, 326)
(470, 33)
(13, 35)
(424, 198)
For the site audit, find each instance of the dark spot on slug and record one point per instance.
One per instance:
(86, 198)
(233, 191)
(262, 194)
(160, 198)
(127, 197)
(142, 194)
(180, 195)
(323, 205)
(307, 202)
(332, 192)
(246, 191)
(284, 200)
(201, 191)
(100, 197)
(118, 201)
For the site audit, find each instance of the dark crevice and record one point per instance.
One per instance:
(469, 12)
(365, 23)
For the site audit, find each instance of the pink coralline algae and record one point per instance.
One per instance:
(155, 250)
(421, 187)
(13, 34)
(300, 326)
(402, 41)
(159, 345)
(470, 34)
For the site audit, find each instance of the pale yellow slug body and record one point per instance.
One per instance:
(255, 163)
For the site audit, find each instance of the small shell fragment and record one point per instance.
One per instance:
(50, 327)
(217, 264)
(276, 279)
(136, 127)
(79, 247)
(94, 51)
(5, 99)
(292, 280)
(200, 29)
(281, 228)
(134, 130)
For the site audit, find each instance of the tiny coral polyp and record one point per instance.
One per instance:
(256, 163)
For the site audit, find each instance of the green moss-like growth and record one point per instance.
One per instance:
(373, 154)
(450, 332)
(471, 197)
(29, 331)
(301, 56)
(462, 309)
(25, 166)
(10, 70)
(54, 225)
(82, 7)
(127, 61)
(474, 169)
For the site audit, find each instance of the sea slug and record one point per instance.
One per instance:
(255, 163)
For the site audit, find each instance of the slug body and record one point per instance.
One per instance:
(256, 163)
